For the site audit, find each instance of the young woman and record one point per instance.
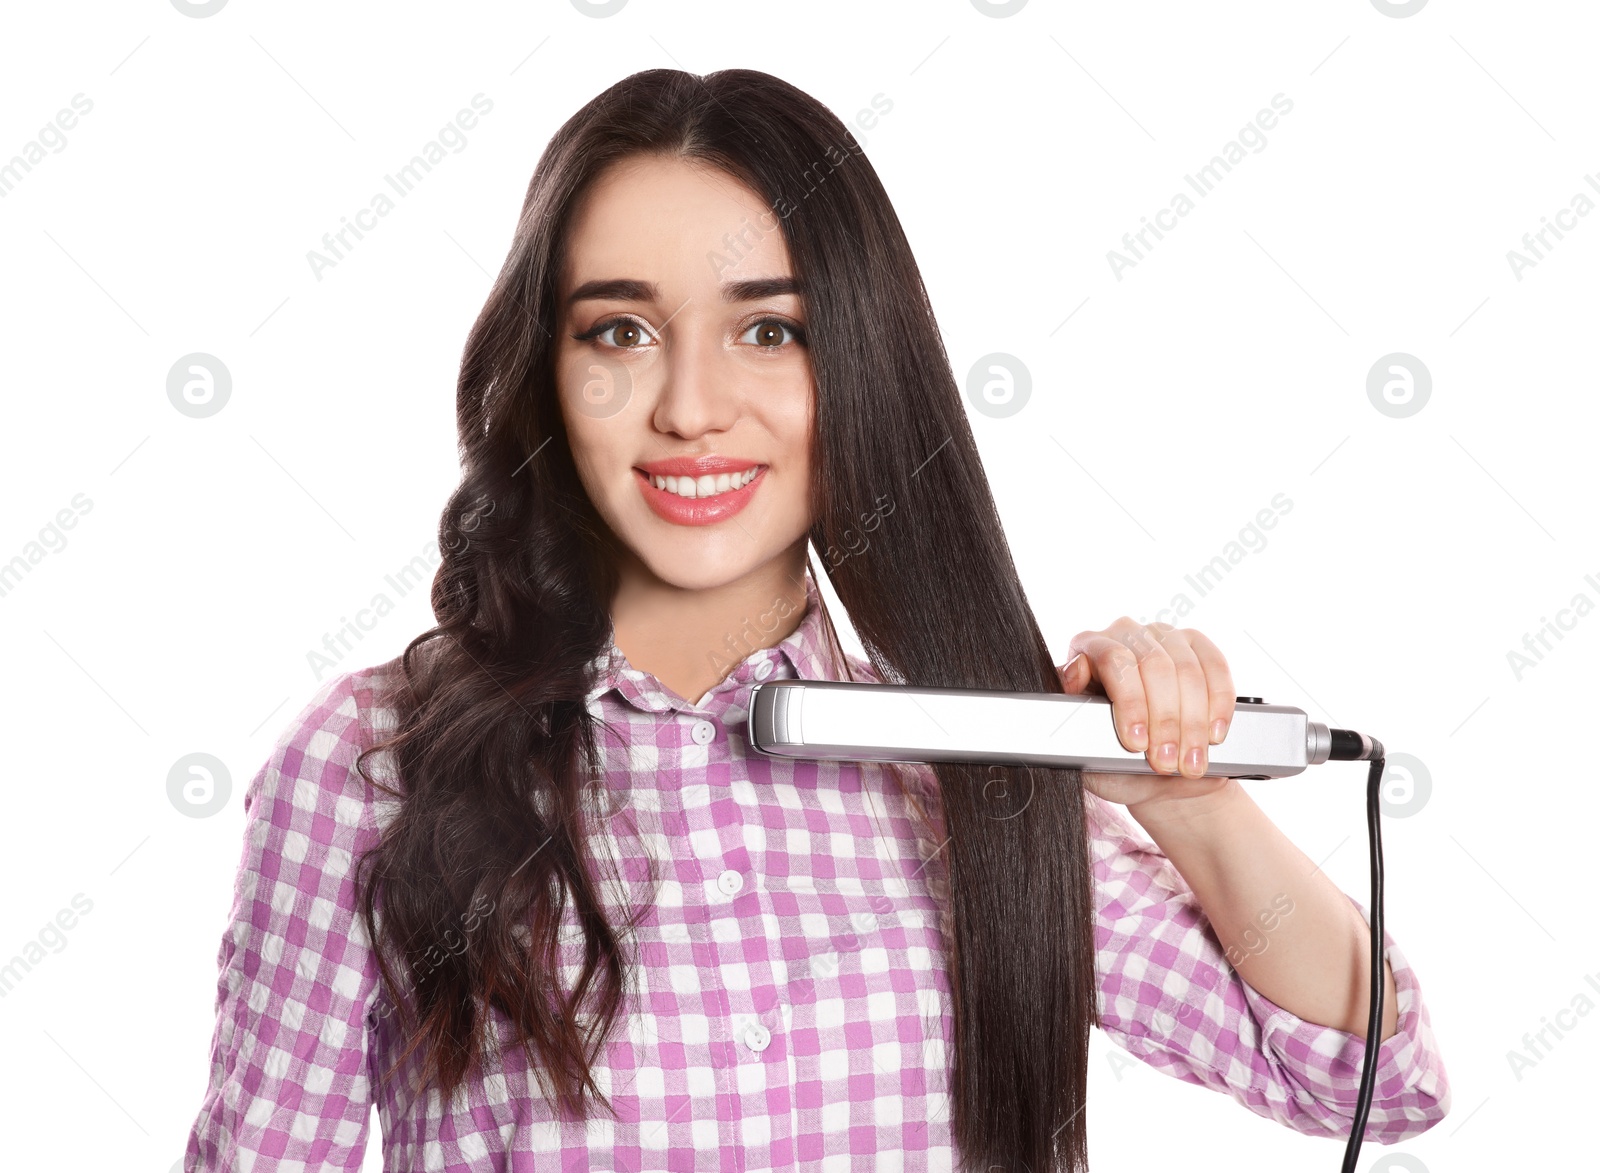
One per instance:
(527, 889)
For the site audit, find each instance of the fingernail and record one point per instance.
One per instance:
(1219, 730)
(1167, 755)
(1197, 761)
(1136, 731)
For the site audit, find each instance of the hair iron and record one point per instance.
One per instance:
(848, 721)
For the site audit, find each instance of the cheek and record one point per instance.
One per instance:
(588, 433)
(790, 422)
(589, 440)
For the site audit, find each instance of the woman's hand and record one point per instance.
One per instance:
(1171, 696)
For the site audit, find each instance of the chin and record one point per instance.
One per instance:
(691, 570)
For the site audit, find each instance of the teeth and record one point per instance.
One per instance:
(706, 486)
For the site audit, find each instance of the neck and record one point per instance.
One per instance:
(691, 638)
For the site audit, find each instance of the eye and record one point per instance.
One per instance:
(768, 333)
(630, 334)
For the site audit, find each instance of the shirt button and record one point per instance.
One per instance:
(730, 882)
(703, 732)
(763, 669)
(756, 1037)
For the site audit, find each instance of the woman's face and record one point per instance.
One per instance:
(682, 370)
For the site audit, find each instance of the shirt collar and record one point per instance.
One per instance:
(803, 653)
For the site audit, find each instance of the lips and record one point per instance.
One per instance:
(695, 466)
(680, 510)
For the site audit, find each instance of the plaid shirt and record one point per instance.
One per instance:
(790, 1003)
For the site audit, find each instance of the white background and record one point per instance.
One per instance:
(1168, 407)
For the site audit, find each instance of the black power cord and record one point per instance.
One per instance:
(1349, 746)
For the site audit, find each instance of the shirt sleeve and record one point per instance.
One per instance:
(1170, 998)
(289, 1084)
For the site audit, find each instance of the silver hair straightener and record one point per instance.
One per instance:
(844, 721)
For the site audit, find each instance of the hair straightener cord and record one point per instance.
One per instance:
(1349, 746)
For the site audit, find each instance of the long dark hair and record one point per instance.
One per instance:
(493, 742)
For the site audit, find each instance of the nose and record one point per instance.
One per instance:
(700, 390)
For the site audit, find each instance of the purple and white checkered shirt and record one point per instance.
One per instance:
(790, 1005)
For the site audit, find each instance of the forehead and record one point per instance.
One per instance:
(673, 221)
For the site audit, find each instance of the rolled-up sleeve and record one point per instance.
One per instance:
(1170, 998)
(289, 1083)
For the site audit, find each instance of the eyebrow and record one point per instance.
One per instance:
(629, 289)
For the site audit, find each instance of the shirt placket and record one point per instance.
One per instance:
(736, 972)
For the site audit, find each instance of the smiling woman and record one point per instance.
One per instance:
(528, 890)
